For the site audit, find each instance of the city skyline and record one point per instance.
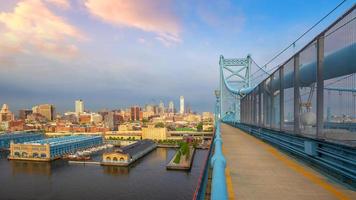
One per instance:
(79, 106)
(129, 59)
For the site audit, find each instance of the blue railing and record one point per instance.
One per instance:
(218, 163)
(201, 188)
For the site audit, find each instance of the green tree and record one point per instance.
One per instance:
(200, 126)
(184, 148)
(177, 158)
(159, 125)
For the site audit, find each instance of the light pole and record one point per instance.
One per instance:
(217, 105)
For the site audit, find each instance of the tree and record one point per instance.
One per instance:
(200, 126)
(177, 158)
(159, 125)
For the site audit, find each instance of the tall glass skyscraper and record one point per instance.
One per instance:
(181, 110)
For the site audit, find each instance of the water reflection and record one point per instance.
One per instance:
(59, 180)
(116, 170)
(3, 154)
(35, 168)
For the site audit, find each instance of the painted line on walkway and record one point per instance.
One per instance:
(300, 169)
(230, 188)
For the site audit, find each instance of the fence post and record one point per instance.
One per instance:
(320, 87)
(296, 95)
(281, 98)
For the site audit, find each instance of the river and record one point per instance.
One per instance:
(145, 179)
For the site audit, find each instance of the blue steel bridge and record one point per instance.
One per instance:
(289, 133)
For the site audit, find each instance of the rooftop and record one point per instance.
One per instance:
(62, 140)
(18, 134)
(136, 147)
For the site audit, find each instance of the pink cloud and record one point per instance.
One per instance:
(32, 27)
(148, 15)
(65, 4)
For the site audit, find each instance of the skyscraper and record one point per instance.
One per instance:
(171, 107)
(46, 110)
(23, 113)
(149, 108)
(181, 110)
(161, 107)
(135, 113)
(79, 106)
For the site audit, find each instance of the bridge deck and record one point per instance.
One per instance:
(259, 171)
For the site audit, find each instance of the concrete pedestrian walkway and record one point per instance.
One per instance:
(257, 170)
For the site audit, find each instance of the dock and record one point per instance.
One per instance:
(84, 162)
(182, 165)
(128, 154)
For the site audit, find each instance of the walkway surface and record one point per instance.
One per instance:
(257, 170)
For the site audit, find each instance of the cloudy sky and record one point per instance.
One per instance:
(117, 53)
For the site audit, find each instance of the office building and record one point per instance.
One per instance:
(161, 107)
(24, 113)
(79, 106)
(171, 107)
(181, 110)
(135, 113)
(46, 110)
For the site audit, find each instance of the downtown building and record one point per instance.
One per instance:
(79, 107)
(23, 113)
(181, 106)
(5, 114)
(136, 114)
(46, 110)
(171, 107)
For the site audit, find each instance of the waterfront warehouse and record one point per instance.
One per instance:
(20, 137)
(52, 148)
(128, 154)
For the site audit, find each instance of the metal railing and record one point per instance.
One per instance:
(201, 189)
(218, 165)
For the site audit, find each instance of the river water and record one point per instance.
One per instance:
(145, 179)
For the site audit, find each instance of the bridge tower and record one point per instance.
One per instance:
(235, 75)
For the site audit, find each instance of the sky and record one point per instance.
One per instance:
(118, 53)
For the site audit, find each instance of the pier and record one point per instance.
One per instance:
(128, 154)
(52, 148)
(182, 160)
